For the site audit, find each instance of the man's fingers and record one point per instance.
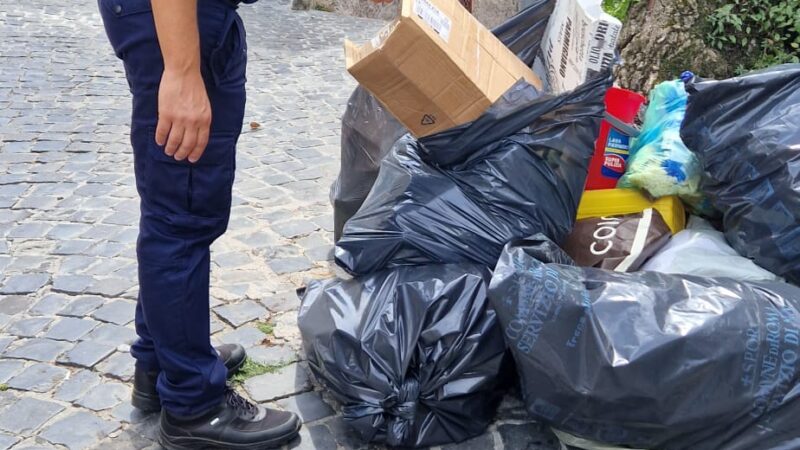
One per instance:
(174, 140)
(162, 131)
(187, 143)
(200, 147)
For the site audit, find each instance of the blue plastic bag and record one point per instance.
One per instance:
(660, 163)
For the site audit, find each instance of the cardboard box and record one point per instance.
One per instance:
(436, 66)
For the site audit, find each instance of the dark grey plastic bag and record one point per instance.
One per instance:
(650, 360)
(369, 131)
(746, 133)
(460, 195)
(415, 355)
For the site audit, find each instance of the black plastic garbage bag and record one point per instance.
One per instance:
(369, 131)
(746, 133)
(415, 355)
(460, 195)
(651, 360)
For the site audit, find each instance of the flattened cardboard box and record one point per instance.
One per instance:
(436, 66)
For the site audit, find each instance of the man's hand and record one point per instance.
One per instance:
(184, 112)
(184, 115)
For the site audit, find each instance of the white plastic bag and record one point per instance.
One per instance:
(579, 43)
(703, 251)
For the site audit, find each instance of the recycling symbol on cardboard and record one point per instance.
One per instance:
(428, 119)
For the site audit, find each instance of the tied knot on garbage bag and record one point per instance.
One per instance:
(396, 411)
(415, 354)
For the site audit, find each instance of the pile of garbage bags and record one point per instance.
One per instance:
(650, 360)
(460, 195)
(470, 273)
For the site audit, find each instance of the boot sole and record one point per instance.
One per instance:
(152, 404)
(195, 443)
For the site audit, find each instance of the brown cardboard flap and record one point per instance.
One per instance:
(435, 67)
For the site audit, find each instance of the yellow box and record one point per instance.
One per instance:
(617, 202)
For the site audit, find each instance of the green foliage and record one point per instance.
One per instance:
(617, 8)
(759, 33)
(252, 369)
(324, 8)
(3, 387)
(266, 327)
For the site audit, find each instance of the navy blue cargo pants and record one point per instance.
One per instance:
(184, 206)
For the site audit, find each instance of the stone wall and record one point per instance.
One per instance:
(489, 12)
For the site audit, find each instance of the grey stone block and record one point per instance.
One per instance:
(25, 283)
(14, 304)
(37, 349)
(294, 228)
(105, 396)
(238, 314)
(246, 336)
(7, 440)
(64, 231)
(87, 354)
(316, 437)
(272, 356)
(28, 327)
(73, 247)
(9, 368)
(309, 406)
(528, 435)
(81, 306)
(282, 301)
(49, 305)
(321, 253)
(289, 265)
(111, 334)
(119, 312)
(125, 412)
(75, 263)
(27, 415)
(70, 329)
(5, 342)
(30, 230)
(79, 431)
(344, 434)
(72, 284)
(119, 365)
(289, 380)
(39, 377)
(483, 442)
(76, 385)
(110, 287)
(231, 260)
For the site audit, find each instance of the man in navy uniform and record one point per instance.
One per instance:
(185, 64)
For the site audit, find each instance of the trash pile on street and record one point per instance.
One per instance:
(632, 265)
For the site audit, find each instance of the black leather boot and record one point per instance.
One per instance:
(235, 424)
(145, 396)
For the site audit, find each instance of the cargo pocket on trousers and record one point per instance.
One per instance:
(201, 189)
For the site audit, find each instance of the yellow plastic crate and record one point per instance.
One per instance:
(617, 202)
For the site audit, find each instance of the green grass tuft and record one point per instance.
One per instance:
(324, 8)
(252, 369)
(266, 327)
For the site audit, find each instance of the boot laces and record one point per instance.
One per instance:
(244, 409)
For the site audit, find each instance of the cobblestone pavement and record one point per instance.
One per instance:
(68, 224)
